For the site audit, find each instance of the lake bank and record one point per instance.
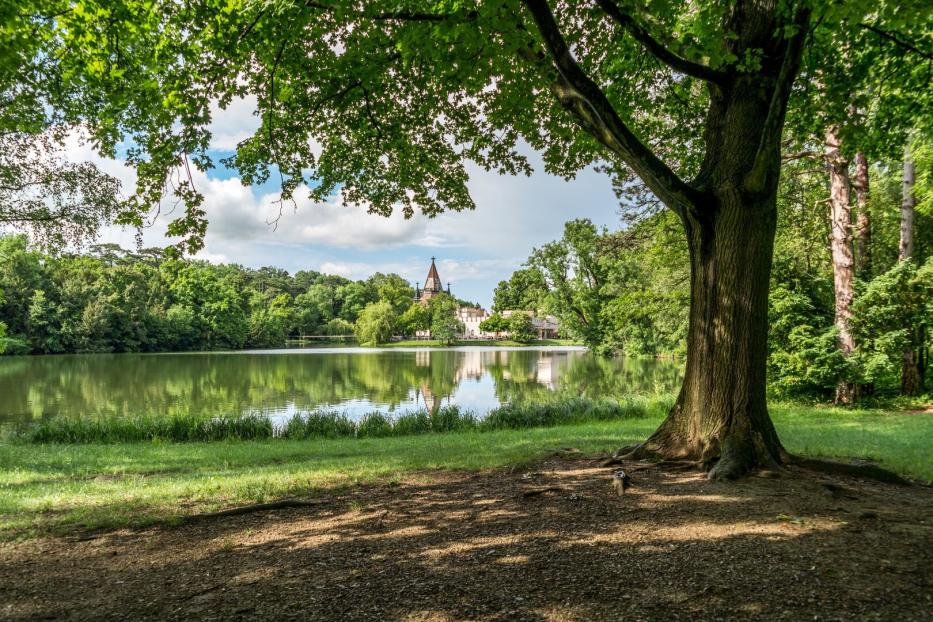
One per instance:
(56, 488)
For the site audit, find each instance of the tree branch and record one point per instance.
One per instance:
(898, 41)
(583, 98)
(769, 146)
(658, 50)
(403, 16)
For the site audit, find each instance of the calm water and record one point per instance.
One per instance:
(280, 383)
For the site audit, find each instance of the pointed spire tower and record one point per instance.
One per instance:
(432, 285)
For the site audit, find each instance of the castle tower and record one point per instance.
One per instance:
(432, 285)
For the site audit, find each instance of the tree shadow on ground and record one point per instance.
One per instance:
(554, 543)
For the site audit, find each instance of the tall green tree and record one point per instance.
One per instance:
(376, 323)
(525, 290)
(689, 96)
(444, 323)
(521, 328)
(576, 272)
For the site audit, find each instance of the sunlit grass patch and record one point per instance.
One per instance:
(63, 487)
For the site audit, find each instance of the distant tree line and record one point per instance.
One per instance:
(628, 291)
(114, 300)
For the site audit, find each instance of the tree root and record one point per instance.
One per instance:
(534, 492)
(867, 471)
(256, 507)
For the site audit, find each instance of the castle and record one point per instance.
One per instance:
(432, 286)
(471, 317)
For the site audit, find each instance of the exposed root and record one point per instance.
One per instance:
(534, 492)
(867, 471)
(727, 469)
(256, 507)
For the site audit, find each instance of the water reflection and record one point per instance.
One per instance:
(282, 382)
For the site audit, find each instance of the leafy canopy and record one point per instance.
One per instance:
(387, 102)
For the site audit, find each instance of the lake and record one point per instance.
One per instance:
(281, 383)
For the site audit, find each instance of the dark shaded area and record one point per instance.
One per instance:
(453, 546)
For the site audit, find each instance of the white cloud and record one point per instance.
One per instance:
(475, 249)
(234, 124)
(338, 269)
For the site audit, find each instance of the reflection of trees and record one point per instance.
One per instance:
(224, 383)
(520, 377)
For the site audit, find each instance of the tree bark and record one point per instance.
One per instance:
(728, 211)
(908, 201)
(840, 216)
(912, 359)
(721, 417)
(863, 221)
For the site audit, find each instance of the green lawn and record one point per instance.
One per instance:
(57, 488)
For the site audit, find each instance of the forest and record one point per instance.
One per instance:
(627, 291)
(109, 299)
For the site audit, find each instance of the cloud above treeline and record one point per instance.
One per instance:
(475, 248)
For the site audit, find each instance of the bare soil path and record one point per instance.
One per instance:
(556, 543)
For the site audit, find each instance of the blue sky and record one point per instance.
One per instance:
(474, 250)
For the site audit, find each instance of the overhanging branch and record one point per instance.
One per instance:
(583, 98)
(769, 147)
(657, 49)
(894, 38)
(401, 15)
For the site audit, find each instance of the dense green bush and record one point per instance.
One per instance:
(892, 315)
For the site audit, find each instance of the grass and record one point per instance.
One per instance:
(328, 424)
(58, 488)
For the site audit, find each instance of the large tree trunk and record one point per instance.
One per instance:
(847, 392)
(728, 210)
(863, 222)
(720, 418)
(912, 359)
(721, 415)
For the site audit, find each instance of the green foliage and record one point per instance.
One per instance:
(376, 323)
(387, 133)
(524, 291)
(444, 323)
(112, 300)
(803, 358)
(576, 273)
(893, 314)
(417, 317)
(337, 326)
(521, 328)
(495, 323)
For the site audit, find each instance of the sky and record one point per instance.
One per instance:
(475, 249)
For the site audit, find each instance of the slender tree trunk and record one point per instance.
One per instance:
(908, 201)
(863, 222)
(840, 213)
(912, 363)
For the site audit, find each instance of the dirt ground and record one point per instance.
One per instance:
(556, 543)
